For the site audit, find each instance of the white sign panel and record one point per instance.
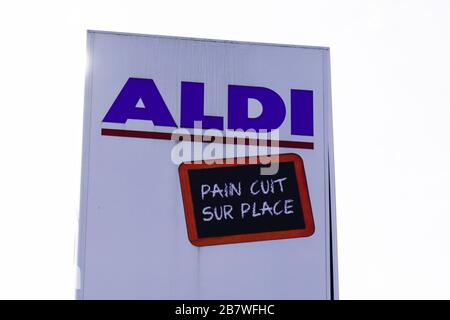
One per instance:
(207, 171)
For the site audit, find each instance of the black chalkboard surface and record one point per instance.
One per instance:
(233, 202)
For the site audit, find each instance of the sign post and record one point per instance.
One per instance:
(207, 171)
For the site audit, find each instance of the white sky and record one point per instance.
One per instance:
(390, 64)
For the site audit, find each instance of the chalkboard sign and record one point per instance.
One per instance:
(233, 202)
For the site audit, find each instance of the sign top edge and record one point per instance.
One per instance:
(89, 31)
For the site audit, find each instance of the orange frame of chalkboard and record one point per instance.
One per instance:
(249, 237)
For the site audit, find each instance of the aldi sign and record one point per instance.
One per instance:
(207, 171)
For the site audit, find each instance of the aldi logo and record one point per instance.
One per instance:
(192, 108)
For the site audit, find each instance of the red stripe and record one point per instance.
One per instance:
(170, 136)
